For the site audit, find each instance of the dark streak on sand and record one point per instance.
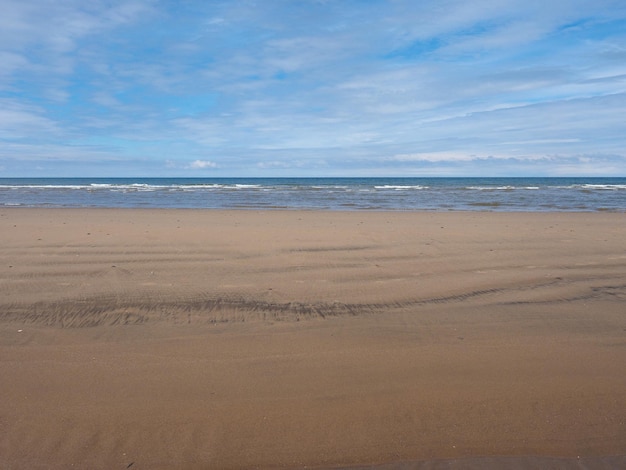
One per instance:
(115, 310)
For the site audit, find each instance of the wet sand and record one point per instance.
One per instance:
(151, 339)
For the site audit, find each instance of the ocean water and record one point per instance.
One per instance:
(402, 194)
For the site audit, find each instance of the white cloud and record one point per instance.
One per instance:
(201, 165)
(335, 85)
(20, 121)
(432, 157)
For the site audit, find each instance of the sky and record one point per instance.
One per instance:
(312, 88)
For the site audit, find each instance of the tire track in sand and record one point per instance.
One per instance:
(121, 309)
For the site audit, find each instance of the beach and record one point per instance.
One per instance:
(188, 338)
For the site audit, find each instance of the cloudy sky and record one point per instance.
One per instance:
(312, 88)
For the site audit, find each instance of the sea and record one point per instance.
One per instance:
(335, 194)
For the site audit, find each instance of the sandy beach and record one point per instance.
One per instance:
(160, 339)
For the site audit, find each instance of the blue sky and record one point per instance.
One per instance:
(312, 88)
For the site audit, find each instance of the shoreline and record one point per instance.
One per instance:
(187, 338)
(359, 194)
(279, 209)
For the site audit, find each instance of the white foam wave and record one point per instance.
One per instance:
(43, 186)
(491, 188)
(605, 187)
(502, 188)
(401, 187)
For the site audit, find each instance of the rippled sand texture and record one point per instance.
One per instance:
(283, 339)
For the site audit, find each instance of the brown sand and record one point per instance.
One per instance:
(152, 339)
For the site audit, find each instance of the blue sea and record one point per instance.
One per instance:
(354, 194)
